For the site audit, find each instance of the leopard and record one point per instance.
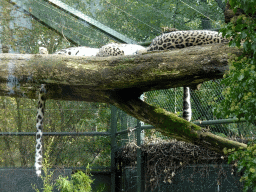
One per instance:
(73, 51)
(171, 38)
(118, 49)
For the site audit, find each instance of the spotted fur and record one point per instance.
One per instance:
(115, 49)
(39, 124)
(182, 39)
(39, 128)
(187, 110)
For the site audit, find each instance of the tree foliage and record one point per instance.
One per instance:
(149, 16)
(245, 162)
(240, 94)
(80, 181)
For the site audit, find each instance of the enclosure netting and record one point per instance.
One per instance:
(140, 21)
(176, 166)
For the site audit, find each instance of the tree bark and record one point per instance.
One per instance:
(121, 80)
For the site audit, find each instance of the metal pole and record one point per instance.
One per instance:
(110, 32)
(56, 134)
(123, 118)
(113, 147)
(60, 17)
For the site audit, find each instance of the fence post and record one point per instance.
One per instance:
(123, 119)
(113, 147)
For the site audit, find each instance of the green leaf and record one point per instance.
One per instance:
(239, 168)
(241, 77)
(243, 34)
(254, 46)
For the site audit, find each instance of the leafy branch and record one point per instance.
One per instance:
(240, 94)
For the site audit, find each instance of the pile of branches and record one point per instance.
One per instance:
(164, 158)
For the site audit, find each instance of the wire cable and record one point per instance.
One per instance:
(133, 17)
(197, 11)
(71, 18)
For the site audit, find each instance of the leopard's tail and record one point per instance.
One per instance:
(39, 133)
(187, 111)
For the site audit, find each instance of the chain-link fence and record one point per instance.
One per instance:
(203, 101)
(168, 165)
(65, 120)
(94, 23)
(61, 120)
(81, 133)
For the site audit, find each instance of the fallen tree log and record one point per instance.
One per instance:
(94, 79)
(121, 80)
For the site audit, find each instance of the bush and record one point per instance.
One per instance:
(80, 182)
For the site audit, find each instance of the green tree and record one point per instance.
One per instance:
(240, 94)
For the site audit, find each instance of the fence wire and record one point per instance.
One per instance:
(139, 20)
(203, 100)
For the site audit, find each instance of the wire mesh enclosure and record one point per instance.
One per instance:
(203, 102)
(60, 120)
(123, 153)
